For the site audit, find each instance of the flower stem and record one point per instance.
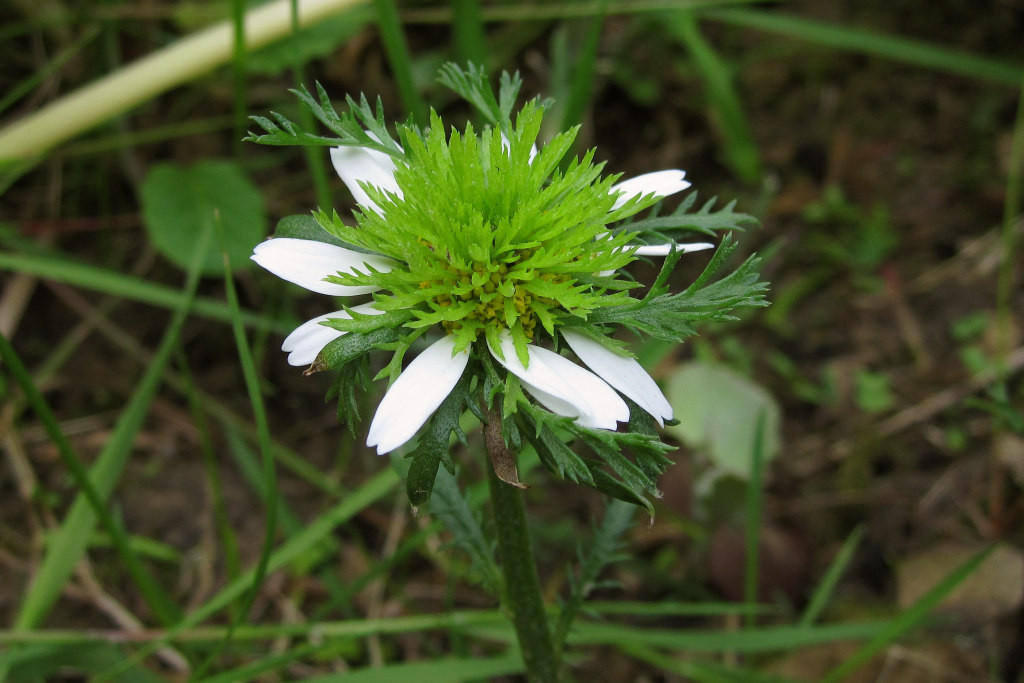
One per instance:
(522, 586)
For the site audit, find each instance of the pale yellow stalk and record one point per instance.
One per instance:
(154, 74)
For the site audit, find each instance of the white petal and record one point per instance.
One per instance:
(506, 145)
(625, 374)
(307, 262)
(309, 338)
(660, 183)
(660, 250)
(355, 164)
(563, 387)
(416, 394)
(664, 249)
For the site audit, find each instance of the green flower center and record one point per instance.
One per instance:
(493, 234)
(486, 295)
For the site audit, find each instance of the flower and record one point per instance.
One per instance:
(525, 251)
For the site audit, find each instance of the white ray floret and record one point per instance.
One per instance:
(623, 373)
(306, 341)
(416, 394)
(361, 164)
(306, 263)
(666, 247)
(563, 387)
(658, 183)
(663, 250)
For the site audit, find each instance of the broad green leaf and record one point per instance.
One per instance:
(718, 413)
(179, 203)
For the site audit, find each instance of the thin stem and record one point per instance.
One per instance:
(522, 586)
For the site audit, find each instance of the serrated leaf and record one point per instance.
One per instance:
(680, 224)
(351, 380)
(361, 126)
(609, 448)
(472, 85)
(604, 549)
(554, 453)
(634, 477)
(610, 486)
(450, 505)
(179, 203)
(671, 317)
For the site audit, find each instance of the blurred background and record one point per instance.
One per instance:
(879, 144)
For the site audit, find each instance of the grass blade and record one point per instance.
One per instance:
(470, 620)
(468, 30)
(55, 267)
(828, 582)
(897, 48)
(268, 485)
(763, 639)
(398, 56)
(314, 533)
(437, 671)
(701, 672)
(144, 79)
(251, 671)
(910, 618)
(740, 150)
(77, 527)
(583, 68)
(239, 52)
(22, 89)
(161, 604)
(676, 609)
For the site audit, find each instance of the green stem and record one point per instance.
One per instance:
(522, 586)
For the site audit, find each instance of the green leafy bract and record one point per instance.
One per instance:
(671, 317)
(681, 223)
(361, 126)
(632, 481)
